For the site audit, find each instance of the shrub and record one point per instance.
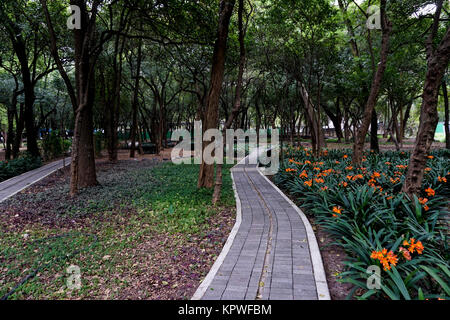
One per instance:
(364, 209)
(12, 168)
(54, 146)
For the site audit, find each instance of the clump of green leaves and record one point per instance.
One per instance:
(15, 167)
(364, 209)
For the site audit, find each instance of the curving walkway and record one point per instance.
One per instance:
(10, 187)
(271, 253)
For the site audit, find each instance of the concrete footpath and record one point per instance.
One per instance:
(16, 184)
(271, 253)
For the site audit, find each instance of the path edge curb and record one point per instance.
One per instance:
(35, 181)
(201, 290)
(319, 272)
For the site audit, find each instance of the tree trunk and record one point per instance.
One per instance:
(360, 138)
(134, 105)
(437, 63)
(206, 174)
(405, 119)
(374, 132)
(237, 100)
(446, 121)
(19, 130)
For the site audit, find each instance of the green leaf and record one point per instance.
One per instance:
(435, 276)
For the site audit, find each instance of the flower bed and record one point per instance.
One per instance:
(378, 225)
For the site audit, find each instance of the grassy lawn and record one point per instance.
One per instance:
(145, 232)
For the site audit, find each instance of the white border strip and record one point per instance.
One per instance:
(319, 273)
(38, 179)
(226, 248)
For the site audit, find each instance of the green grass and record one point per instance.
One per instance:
(131, 206)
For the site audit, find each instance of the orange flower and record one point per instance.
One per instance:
(290, 170)
(405, 253)
(430, 192)
(387, 259)
(337, 162)
(376, 175)
(387, 163)
(349, 177)
(324, 188)
(395, 180)
(337, 210)
(413, 245)
(308, 183)
(427, 169)
(442, 179)
(389, 198)
(423, 200)
(343, 183)
(345, 156)
(319, 180)
(349, 168)
(304, 174)
(430, 157)
(307, 162)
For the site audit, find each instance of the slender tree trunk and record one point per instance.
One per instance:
(19, 130)
(374, 132)
(358, 146)
(405, 119)
(206, 175)
(12, 110)
(134, 105)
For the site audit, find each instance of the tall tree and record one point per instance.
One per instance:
(358, 146)
(237, 98)
(86, 51)
(206, 174)
(438, 59)
(135, 102)
(21, 22)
